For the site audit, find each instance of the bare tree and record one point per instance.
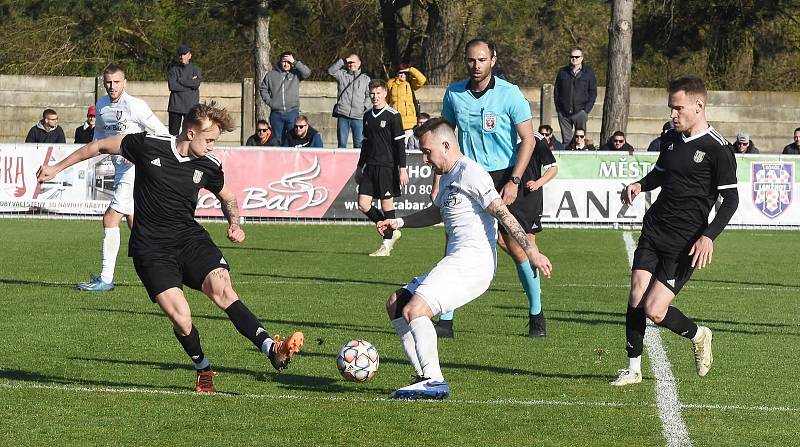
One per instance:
(618, 95)
(261, 54)
(451, 23)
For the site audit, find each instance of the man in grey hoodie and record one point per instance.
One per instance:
(280, 89)
(352, 86)
(183, 79)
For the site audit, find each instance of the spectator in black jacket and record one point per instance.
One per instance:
(184, 80)
(85, 132)
(574, 94)
(580, 142)
(47, 130)
(793, 148)
(744, 144)
(617, 142)
(263, 136)
(655, 145)
(302, 134)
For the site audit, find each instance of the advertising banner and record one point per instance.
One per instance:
(289, 183)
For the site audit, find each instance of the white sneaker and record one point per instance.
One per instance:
(703, 358)
(627, 377)
(383, 250)
(396, 235)
(425, 389)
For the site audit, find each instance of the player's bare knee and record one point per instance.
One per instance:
(655, 313)
(416, 308)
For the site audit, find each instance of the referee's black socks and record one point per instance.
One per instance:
(679, 323)
(246, 323)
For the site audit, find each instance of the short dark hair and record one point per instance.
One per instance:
(113, 68)
(425, 115)
(692, 85)
(48, 112)
(478, 41)
(375, 83)
(797, 130)
(301, 118)
(546, 127)
(263, 121)
(209, 111)
(618, 133)
(433, 125)
(285, 53)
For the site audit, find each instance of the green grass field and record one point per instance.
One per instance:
(104, 369)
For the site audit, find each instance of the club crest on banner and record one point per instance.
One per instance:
(197, 176)
(489, 122)
(772, 185)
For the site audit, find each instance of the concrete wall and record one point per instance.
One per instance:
(769, 117)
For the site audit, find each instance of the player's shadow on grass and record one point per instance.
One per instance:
(292, 250)
(332, 280)
(748, 283)
(46, 379)
(336, 384)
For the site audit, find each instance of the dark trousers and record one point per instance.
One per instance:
(175, 120)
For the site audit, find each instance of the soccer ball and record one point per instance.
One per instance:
(358, 361)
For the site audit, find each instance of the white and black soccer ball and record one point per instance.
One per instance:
(358, 360)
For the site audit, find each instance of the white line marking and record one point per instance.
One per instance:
(669, 407)
(313, 398)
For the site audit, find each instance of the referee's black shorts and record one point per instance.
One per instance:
(526, 209)
(666, 256)
(380, 182)
(188, 264)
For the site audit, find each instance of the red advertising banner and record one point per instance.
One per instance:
(282, 183)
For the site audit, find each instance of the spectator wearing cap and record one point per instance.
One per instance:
(655, 145)
(47, 130)
(617, 142)
(85, 132)
(263, 136)
(401, 94)
(744, 144)
(183, 79)
(794, 147)
(280, 90)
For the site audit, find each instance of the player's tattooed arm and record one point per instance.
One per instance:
(499, 210)
(230, 208)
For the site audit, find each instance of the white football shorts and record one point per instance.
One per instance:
(122, 202)
(455, 281)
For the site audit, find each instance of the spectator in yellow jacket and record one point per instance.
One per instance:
(401, 96)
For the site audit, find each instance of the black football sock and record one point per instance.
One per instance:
(246, 323)
(191, 344)
(679, 323)
(635, 325)
(374, 214)
(389, 214)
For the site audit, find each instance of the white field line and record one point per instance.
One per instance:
(669, 407)
(312, 398)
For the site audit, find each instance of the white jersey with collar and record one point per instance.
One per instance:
(126, 116)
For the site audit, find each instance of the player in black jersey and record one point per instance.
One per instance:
(694, 167)
(169, 248)
(381, 169)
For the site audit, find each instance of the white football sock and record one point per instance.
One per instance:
(425, 341)
(635, 364)
(699, 335)
(110, 250)
(407, 341)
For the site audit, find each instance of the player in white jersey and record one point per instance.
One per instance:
(469, 206)
(118, 113)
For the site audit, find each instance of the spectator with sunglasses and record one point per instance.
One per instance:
(552, 142)
(263, 136)
(617, 142)
(574, 93)
(302, 134)
(744, 145)
(580, 142)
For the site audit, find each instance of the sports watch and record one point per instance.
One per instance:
(516, 180)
